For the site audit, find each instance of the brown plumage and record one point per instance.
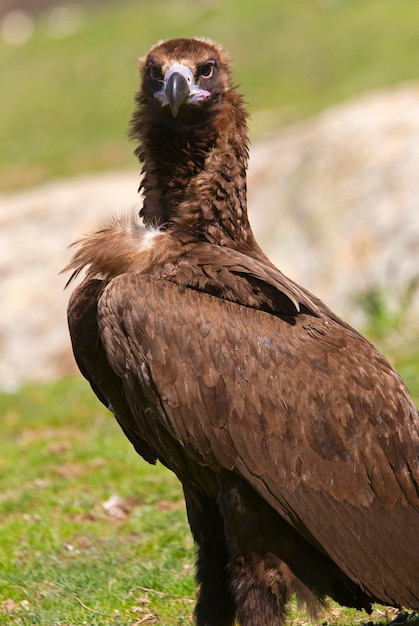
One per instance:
(296, 443)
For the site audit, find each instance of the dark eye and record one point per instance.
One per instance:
(154, 72)
(207, 70)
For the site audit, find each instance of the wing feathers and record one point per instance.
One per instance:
(329, 431)
(330, 450)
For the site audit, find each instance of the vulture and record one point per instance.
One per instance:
(295, 441)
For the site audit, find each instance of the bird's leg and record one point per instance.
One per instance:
(215, 606)
(260, 588)
(261, 582)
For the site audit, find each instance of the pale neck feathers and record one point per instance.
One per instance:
(124, 245)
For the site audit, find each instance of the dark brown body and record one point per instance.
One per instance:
(296, 443)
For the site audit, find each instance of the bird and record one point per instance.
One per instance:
(294, 439)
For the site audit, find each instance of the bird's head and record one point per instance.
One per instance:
(190, 127)
(184, 81)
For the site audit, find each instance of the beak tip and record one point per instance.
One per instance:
(174, 109)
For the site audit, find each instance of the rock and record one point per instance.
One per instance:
(36, 228)
(333, 200)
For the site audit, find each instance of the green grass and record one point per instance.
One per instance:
(64, 560)
(66, 102)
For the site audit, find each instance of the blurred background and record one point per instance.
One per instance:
(332, 91)
(89, 532)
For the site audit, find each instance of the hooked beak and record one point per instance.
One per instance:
(179, 88)
(177, 91)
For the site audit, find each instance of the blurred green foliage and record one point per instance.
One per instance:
(66, 101)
